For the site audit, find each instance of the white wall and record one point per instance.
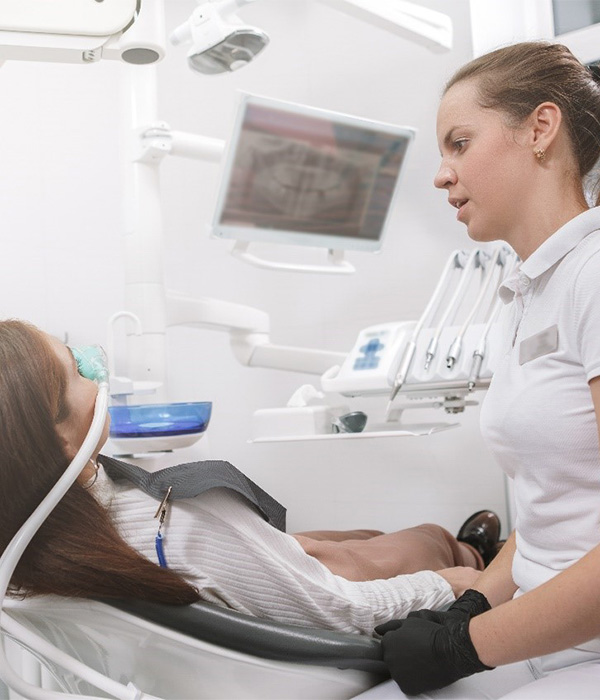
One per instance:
(60, 198)
(495, 24)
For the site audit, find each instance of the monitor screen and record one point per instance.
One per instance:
(571, 15)
(577, 25)
(305, 176)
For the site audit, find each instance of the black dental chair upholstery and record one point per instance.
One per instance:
(263, 638)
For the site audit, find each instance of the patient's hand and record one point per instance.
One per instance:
(460, 578)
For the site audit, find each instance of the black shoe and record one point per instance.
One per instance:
(482, 531)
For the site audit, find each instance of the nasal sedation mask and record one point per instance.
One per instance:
(91, 362)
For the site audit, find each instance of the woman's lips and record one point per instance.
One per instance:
(460, 205)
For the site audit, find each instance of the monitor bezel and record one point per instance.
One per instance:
(288, 237)
(583, 42)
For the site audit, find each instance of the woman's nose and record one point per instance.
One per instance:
(444, 177)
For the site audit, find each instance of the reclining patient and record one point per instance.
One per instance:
(100, 539)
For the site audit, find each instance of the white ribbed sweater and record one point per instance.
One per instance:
(236, 559)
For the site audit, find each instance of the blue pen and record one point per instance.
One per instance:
(158, 540)
(160, 552)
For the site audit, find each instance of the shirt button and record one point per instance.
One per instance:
(525, 281)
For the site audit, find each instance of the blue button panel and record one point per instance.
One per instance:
(369, 358)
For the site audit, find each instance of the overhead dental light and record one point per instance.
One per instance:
(86, 31)
(221, 42)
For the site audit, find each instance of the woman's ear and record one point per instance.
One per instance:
(65, 435)
(545, 122)
(70, 450)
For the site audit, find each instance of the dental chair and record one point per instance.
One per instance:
(142, 651)
(178, 652)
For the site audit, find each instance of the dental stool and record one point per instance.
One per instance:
(196, 652)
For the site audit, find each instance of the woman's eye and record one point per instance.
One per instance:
(459, 144)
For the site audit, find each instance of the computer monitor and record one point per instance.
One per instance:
(306, 176)
(577, 25)
(572, 15)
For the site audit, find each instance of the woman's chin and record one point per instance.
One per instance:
(474, 232)
(479, 236)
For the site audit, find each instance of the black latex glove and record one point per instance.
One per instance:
(422, 655)
(470, 604)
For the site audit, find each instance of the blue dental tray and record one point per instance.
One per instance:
(159, 419)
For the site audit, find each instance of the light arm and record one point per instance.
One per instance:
(71, 31)
(249, 332)
(406, 19)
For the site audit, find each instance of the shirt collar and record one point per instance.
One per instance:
(551, 251)
(560, 243)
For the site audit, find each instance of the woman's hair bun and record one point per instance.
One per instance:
(594, 69)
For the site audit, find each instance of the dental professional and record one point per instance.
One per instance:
(519, 133)
(99, 541)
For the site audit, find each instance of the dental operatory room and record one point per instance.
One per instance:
(278, 282)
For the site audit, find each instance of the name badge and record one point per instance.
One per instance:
(537, 345)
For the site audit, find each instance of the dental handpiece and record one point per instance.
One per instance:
(454, 352)
(431, 351)
(476, 362)
(480, 350)
(433, 343)
(452, 308)
(405, 362)
(453, 261)
(456, 347)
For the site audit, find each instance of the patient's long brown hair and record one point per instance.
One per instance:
(77, 551)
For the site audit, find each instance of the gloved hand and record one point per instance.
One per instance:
(470, 604)
(422, 655)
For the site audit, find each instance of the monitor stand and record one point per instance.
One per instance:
(336, 263)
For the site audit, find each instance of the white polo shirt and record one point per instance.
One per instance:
(538, 417)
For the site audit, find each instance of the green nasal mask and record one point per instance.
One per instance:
(91, 362)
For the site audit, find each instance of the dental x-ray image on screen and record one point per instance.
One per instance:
(300, 175)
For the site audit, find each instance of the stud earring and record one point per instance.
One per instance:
(540, 154)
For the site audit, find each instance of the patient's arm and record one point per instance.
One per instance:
(235, 557)
(460, 578)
